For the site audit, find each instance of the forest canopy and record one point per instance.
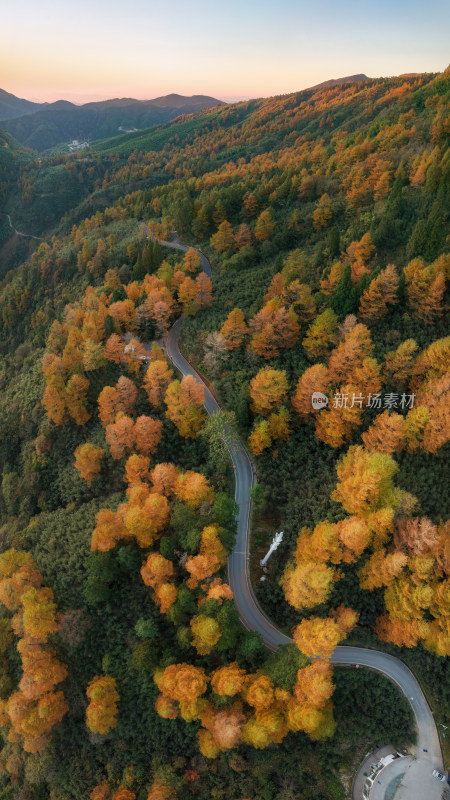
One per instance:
(126, 672)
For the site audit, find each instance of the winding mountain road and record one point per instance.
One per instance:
(19, 233)
(427, 750)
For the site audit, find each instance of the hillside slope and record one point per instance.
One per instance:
(13, 158)
(58, 123)
(325, 216)
(12, 106)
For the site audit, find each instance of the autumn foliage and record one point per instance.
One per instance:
(334, 311)
(414, 572)
(234, 329)
(81, 346)
(317, 636)
(36, 706)
(157, 378)
(381, 292)
(274, 328)
(88, 460)
(425, 286)
(143, 517)
(101, 713)
(158, 572)
(365, 487)
(161, 791)
(184, 401)
(211, 556)
(268, 390)
(258, 712)
(386, 434)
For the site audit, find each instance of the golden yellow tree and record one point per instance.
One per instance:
(88, 460)
(101, 713)
(268, 390)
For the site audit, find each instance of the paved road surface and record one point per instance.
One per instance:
(417, 781)
(254, 618)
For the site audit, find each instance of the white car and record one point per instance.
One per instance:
(439, 775)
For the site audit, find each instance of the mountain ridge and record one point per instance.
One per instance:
(10, 104)
(336, 81)
(51, 124)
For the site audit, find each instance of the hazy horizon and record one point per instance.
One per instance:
(81, 100)
(92, 52)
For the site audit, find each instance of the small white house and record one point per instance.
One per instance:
(75, 145)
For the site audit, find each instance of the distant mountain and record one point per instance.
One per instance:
(336, 81)
(52, 124)
(199, 101)
(12, 106)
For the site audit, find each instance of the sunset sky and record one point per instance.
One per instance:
(98, 49)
